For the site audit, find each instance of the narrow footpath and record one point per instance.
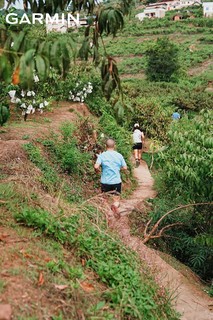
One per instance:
(190, 301)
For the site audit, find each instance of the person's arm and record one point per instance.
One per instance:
(124, 168)
(97, 165)
(142, 137)
(123, 164)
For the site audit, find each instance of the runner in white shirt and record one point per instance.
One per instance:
(138, 139)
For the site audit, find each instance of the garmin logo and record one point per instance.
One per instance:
(69, 19)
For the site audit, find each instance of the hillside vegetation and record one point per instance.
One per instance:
(183, 170)
(70, 260)
(59, 257)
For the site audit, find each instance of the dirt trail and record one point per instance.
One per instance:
(189, 300)
(39, 124)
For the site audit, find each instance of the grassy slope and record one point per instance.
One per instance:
(68, 243)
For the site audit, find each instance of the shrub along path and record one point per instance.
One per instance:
(189, 299)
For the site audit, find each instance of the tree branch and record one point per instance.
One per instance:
(178, 208)
(156, 225)
(161, 232)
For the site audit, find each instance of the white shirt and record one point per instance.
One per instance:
(137, 136)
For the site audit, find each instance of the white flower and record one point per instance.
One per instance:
(41, 105)
(102, 135)
(46, 103)
(34, 101)
(23, 113)
(12, 93)
(22, 93)
(12, 44)
(17, 100)
(23, 105)
(33, 93)
(33, 110)
(36, 78)
(13, 100)
(29, 109)
(29, 94)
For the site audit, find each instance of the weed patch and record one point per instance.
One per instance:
(116, 266)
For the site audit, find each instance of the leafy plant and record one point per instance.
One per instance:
(4, 114)
(115, 266)
(162, 61)
(58, 51)
(185, 176)
(183, 160)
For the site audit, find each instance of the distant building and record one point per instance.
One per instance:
(140, 16)
(208, 9)
(62, 25)
(82, 23)
(150, 12)
(157, 10)
(57, 26)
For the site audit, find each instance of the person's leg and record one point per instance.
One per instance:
(136, 154)
(104, 190)
(139, 154)
(140, 151)
(116, 199)
(137, 160)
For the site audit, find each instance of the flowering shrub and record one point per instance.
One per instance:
(28, 101)
(80, 91)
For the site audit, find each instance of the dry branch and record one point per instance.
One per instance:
(150, 235)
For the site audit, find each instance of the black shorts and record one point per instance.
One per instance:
(137, 146)
(111, 187)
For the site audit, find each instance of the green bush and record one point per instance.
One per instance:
(4, 114)
(162, 61)
(188, 158)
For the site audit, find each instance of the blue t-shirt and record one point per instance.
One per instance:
(176, 116)
(111, 162)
